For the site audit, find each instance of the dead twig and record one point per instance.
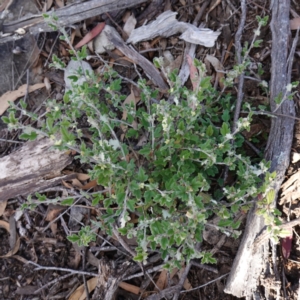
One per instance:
(206, 284)
(182, 280)
(238, 48)
(173, 289)
(39, 267)
(154, 269)
(52, 282)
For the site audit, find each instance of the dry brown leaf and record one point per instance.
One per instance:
(53, 212)
(76, 183)
(126, 15)
(194, 75)
(53, 227)
(16, 246)
(130, 24)
(173, 272)
(73, 34)
(91, 35)
(90, 185)
(161, 282)
(228, 51)
(129, 288)
(82, 176)
(295, 23)
(60, 3)
(80, 293)
(218, 67)
(2, 207)
(186, 284)
(14, 95)
(75, 260)
(63, 50)
(130, 99)
(47, 5)
(4, 225)
(91, 46)
(67, 185)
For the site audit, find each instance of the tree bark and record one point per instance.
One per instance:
(34, 167)
(68, 15)
(248, 265)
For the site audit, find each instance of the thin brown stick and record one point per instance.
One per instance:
(238, 48)
(205, 267)
(39, 267)
(122, 242)
(83, 254)
(182, 280)
(206, 284)
(52, 282)
(149, 271)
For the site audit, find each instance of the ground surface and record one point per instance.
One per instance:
(43, 238)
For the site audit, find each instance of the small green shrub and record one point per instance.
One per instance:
(174, 182)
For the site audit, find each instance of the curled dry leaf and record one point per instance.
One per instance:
(218, 67)
(54, 211)
(91, 35)
(90, 185)
(82, 176)
(129, 288)
(130, 24)
(48, 4)
(80, 293)
(60, 3)
(194, 75)
(16, 246)
(2, 207)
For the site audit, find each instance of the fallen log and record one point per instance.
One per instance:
(249, 264)
(34, 167)
(66, 16)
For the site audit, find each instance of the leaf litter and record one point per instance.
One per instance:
(189, 33)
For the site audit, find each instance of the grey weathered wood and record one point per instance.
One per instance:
(137, 58)
(69, 15)
(34, 167)
(249, 264)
